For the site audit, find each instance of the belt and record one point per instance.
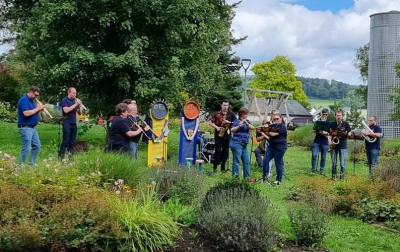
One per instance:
(26, 126)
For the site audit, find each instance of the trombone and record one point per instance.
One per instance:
(44, 109)
(138, 126)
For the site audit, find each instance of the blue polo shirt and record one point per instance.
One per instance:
(71, 116)
(242, 134)
(24, 104)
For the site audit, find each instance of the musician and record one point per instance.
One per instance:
(239, 141)
(342, 130)
(120, 132)
(28, 118)
(222, 135)
(276, 148)
(261, 138)
(320, 144)
(373, 149)
(133, 121)
(69, 106)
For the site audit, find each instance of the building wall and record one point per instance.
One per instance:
(384, 53)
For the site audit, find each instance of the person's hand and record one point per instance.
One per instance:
(218, 128)
(40, 106)
(147, 127)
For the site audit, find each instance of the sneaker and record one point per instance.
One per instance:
(341, 177)
(277, 183)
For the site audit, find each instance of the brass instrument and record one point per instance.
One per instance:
(359, 134)
(82, 106)
(266, 128)
(44, 110)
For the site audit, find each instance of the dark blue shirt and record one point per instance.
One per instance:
(242, 134)
(71, 116)
(118, 139)
(129, 120)
(278, 142)
(320, 139)
(24, 104)
(344, 127)
(377, 144)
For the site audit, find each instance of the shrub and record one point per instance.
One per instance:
(310, 225)
(389, 171)
(228, 184)
(184, 184)
(239, 219)
(302, 136)
(380, 211)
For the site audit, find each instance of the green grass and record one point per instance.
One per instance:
(318, 103)
(346, 234)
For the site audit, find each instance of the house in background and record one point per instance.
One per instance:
(293, 112)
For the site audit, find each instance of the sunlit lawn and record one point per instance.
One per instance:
(346, 234)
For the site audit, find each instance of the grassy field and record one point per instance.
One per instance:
(345, 234)
(317, 103)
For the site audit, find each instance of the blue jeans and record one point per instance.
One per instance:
(69, 139)
(240, 152)
(30, 142)
(372, 157)
(134, 148)
(315, 150)
(342, 155)
(277, 155)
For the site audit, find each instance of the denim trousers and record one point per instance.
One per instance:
(372, 157)
(240, 152)
(342, 155)
(30, 142)
(134, 149)
(69, 139)
(316, 148)
(277, 155)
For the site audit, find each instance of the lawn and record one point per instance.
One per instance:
(345, 234)
(318, 103)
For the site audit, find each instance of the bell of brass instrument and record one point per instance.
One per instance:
(82, 106)
(367, 129)
(337, 134)
(224, 127)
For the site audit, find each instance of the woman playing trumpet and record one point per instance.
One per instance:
(238, 144)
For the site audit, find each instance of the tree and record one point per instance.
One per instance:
(361, 61)
(116, 49)
(279, 74)
(353, 117)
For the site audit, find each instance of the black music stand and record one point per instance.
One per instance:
(58, 120)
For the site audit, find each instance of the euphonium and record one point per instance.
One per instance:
(367, 129)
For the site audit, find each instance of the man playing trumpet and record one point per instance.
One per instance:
(70, 106)
(28, 118)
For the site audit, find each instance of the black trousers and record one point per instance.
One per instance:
(221, 153)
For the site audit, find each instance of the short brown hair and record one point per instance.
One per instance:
(242, 111)
(34, 89)
(121, 108)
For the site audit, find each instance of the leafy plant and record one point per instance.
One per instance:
(310, 225)
(239, 220)
(183, 214)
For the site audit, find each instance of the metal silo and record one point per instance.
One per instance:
(384, 53)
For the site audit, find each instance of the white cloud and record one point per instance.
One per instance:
(320, 44)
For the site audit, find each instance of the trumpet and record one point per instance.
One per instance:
(44, 109)
(82, 106)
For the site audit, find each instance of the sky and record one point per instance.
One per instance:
(320, 37)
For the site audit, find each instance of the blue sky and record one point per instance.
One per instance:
(323, 5)
(320, 37)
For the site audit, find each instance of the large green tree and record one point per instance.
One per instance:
(115, 49)
(279, 74)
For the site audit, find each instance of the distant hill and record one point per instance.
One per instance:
(316, 88)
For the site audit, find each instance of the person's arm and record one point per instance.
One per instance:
(212, 124)
(262, 137)
(67, 109)
(31, 112)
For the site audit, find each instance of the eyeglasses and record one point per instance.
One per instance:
(36, 94)
(324, 114)
(276, 119)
